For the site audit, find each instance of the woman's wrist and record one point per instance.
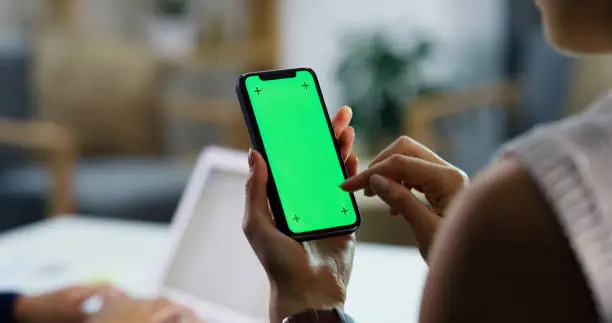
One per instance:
(23, 307)
(287, 301)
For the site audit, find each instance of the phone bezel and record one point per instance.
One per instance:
(257, 143)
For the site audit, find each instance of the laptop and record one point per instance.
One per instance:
(211, 266)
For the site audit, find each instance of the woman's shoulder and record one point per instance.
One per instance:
(570, 163)
(500, 250)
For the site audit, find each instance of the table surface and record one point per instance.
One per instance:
(386, 282)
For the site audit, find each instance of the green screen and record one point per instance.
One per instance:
(301, 152)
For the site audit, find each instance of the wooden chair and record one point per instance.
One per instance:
(58, 148)
(106, 92)
(103, 89)
(67, 89)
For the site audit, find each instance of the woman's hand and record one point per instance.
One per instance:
(62, 306)
(313, 274)
(126, 310)
(406, 165)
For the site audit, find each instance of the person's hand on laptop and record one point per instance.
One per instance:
(404, 165)
(313, 274)
(62, 306)
(126, 310)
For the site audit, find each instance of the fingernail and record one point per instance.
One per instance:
(251, 158)
(369, 191)
(379, 183)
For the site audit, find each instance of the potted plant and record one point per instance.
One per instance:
(173, 33)
(378, 81)
(171, 8)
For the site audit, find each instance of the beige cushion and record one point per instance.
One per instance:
(102, 89)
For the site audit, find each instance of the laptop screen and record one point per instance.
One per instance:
(213, 260)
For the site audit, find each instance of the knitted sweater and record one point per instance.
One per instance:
(571, 161)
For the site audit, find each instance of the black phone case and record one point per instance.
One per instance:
(257, 143)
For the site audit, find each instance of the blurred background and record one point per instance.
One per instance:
(104, 104)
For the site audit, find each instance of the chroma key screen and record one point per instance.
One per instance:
(300, 149)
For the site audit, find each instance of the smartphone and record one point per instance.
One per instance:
(289, 125)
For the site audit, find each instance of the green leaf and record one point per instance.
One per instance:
(379, 78)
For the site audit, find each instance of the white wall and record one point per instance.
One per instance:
(468, 32)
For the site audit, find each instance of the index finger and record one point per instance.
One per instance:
(409, 147)
(412, 171)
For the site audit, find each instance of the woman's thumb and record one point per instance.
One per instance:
(256, 208)
(256, 191)
(423, 221)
